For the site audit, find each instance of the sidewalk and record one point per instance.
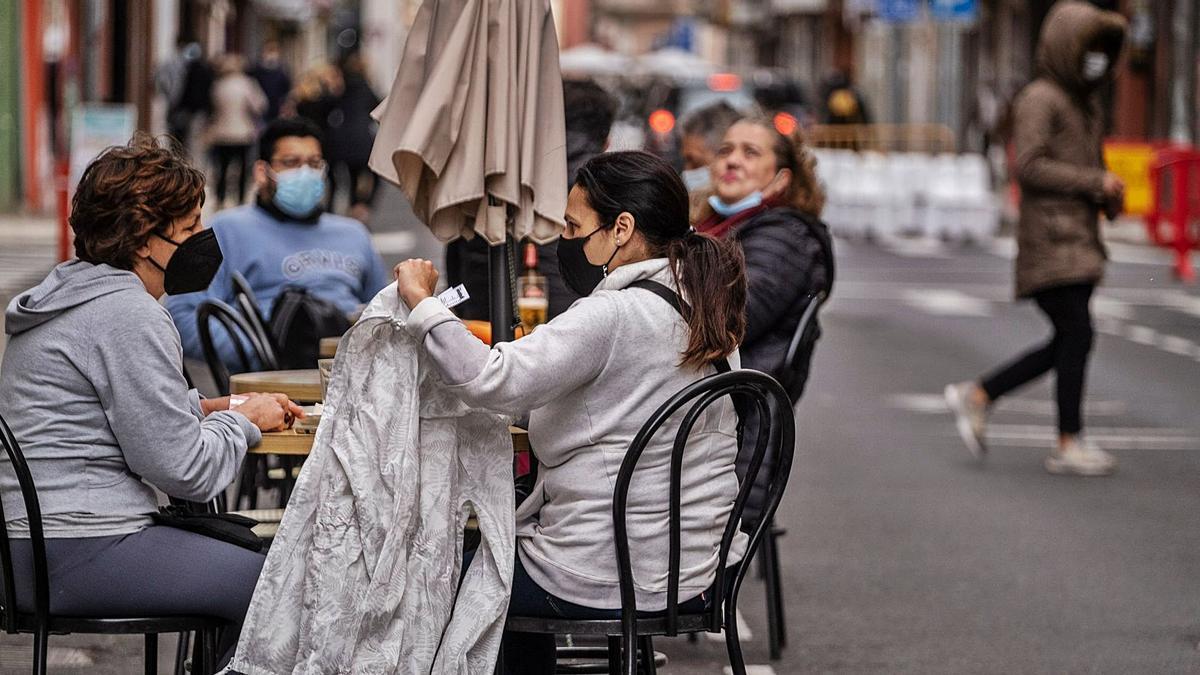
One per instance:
(28, 249)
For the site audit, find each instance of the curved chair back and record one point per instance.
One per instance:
(33, 512)
(776, 433)
(240, 334)
(247, 304)
(794, 374)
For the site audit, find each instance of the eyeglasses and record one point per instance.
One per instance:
(297, 162)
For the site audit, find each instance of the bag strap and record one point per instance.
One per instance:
(672, 298)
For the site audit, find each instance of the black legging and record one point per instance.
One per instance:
(1066, 354)
(226, 156)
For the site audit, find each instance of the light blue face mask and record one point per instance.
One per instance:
(696, 179)
(298, 192)
(726, 210)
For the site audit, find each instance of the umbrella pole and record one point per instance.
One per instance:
(500, 300)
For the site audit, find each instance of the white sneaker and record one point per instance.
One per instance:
(970, 417)
(1081, 458)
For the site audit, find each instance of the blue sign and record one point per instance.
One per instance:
(899, 11)
(954, 10)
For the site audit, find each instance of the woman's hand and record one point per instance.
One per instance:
(416, 280)
(270, 412)
(209, 406)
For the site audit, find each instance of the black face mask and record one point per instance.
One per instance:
(580, 275)
(194, 264)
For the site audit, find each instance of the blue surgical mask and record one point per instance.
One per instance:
(1095, 65)
(696, 179)
(726, 210)
(298, 192)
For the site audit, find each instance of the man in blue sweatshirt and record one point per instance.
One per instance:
(285, 240)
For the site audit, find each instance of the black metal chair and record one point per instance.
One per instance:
(241, 335)
(247, 304)
(793, 377)
(634, 631)
(41, 623)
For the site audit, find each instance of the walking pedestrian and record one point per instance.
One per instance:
(1058, 129)
(272, 75)
(351, 136)
(238, 104)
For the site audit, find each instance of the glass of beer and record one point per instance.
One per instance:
(532, 303)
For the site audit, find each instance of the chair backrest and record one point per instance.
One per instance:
(776, 431)
(794, 374)
(33, 512)
(247, 304)
(240, 334)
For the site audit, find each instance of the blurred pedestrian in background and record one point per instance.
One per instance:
(589, 110)
(272, 75)
(1059, 131)
(171, 80)
(351, 135)
(238, 105)
(702, 133)
(766, 196)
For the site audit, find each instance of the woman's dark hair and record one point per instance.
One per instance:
(129, 191)
(710, 273)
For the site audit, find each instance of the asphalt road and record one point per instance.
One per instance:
(904, 554)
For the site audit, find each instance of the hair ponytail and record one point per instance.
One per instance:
(711, 276)
(709, 273)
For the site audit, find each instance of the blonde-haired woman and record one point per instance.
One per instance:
(767, 198)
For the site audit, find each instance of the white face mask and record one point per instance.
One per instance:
(1095, 65)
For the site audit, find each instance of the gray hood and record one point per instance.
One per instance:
(68, 286)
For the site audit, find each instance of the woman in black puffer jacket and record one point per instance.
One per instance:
(766, 197)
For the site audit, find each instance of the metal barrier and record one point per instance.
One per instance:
(1175, 179)
(927, 138)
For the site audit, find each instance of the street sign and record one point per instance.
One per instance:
(954, 10)
(94, 127)
(899, 11)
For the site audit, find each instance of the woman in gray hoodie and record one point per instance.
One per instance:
(93, 389)
(589, 379)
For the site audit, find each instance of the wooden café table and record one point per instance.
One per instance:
(329, 347)
(302, 386)
(291, 442)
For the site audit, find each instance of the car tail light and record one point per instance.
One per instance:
(662, 121)
(724, 82)
(786, 124)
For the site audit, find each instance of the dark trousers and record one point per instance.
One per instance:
(159, 571)
(535, 653)
(1066, 354)
(357, 174)
(227, 156)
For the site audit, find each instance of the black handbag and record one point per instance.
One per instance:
(227, 527)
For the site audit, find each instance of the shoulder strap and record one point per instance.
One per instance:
(672, 298)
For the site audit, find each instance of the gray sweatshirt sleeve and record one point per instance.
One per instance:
(135, 369)
(520, 376)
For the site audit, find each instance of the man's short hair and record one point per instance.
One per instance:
(590, 110)
(711, 122)
(284, 127)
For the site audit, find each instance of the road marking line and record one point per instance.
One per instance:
(743, 628)
(1122, 438)
(1178, 345)
(1143, 335)
(393, 243)
(935, 404)
(947, 302)
(753, 670)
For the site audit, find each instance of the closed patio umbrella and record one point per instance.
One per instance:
(473, 131)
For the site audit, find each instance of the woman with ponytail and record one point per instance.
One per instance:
(590, 378)
(766, 198)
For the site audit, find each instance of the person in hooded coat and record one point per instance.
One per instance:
(1058, 132)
